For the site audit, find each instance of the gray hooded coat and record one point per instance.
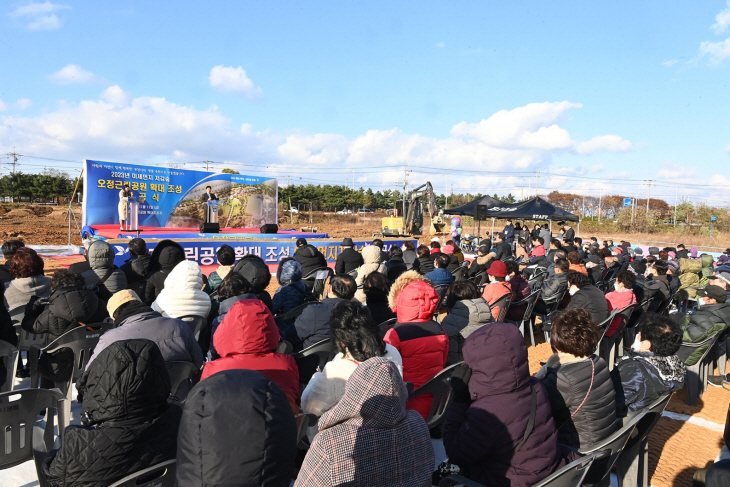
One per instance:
(464, 319)
(101, 260)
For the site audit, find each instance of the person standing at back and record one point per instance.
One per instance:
(509, 233)
(349, 259)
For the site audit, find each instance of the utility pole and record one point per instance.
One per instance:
(537, 176)
(648, 197)
(353, 181)
(15, 159)
(600, 198)
(405, 182)
(206, 163)
(675, 207)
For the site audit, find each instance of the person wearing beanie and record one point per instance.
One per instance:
(137, 267)
(135, 320)
(292, 292)
(498, 286)
(311, 259)
(421, 342)
(349, 259)
(693, 253)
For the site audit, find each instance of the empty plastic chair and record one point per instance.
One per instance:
(440, 388)
(18, 418)
(195, 323)
(183, 376)
(9, 356)
(314, 356)
(609, 452)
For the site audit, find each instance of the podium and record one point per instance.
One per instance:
(210, 224)
(132, 221)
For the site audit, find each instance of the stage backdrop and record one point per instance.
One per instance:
(172, 198)
(203, 252)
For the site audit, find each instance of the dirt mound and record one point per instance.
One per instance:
(20, 212)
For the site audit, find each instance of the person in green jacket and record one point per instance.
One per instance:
(711, 317)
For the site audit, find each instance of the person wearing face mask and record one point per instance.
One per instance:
(651, 368)
(711, 317)
(587, 296)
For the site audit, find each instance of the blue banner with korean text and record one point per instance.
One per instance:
(175, 198)
(203, 251)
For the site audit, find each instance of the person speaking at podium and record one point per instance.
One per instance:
(208, 195)
(123, 205)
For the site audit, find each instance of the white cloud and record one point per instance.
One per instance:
(120, 127)
(40, 16)
(20, 104)
(73, 74)
(610, 143)
(727, 149)
(314, 149)
(722, 20)
(228, 78)
(717, 51)
(116, 96)
(669, 63)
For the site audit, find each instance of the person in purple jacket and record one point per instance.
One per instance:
(487, 431)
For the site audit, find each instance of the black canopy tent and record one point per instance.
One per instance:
(470, 209)
(477, 209)
(533, 209)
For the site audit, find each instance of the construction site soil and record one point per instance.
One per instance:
(676, 447)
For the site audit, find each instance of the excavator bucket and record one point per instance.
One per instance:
(438, 225)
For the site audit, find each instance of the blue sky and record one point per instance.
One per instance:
(619, 91)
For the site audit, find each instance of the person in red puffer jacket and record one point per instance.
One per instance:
(421, 341)
(247, 339)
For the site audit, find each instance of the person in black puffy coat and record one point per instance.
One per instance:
(349, 258)
(424, 261)
(137, 266)
(395, 266)
(71, 304)
(253, 268)
(578, 382)
(237, 429)
(310, 258)
(126, 423)
(165, 257)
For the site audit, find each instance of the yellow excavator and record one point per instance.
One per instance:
(410, 221)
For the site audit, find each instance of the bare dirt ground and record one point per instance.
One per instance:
(676, 448)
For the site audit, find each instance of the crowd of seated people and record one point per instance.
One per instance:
(250, 389)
